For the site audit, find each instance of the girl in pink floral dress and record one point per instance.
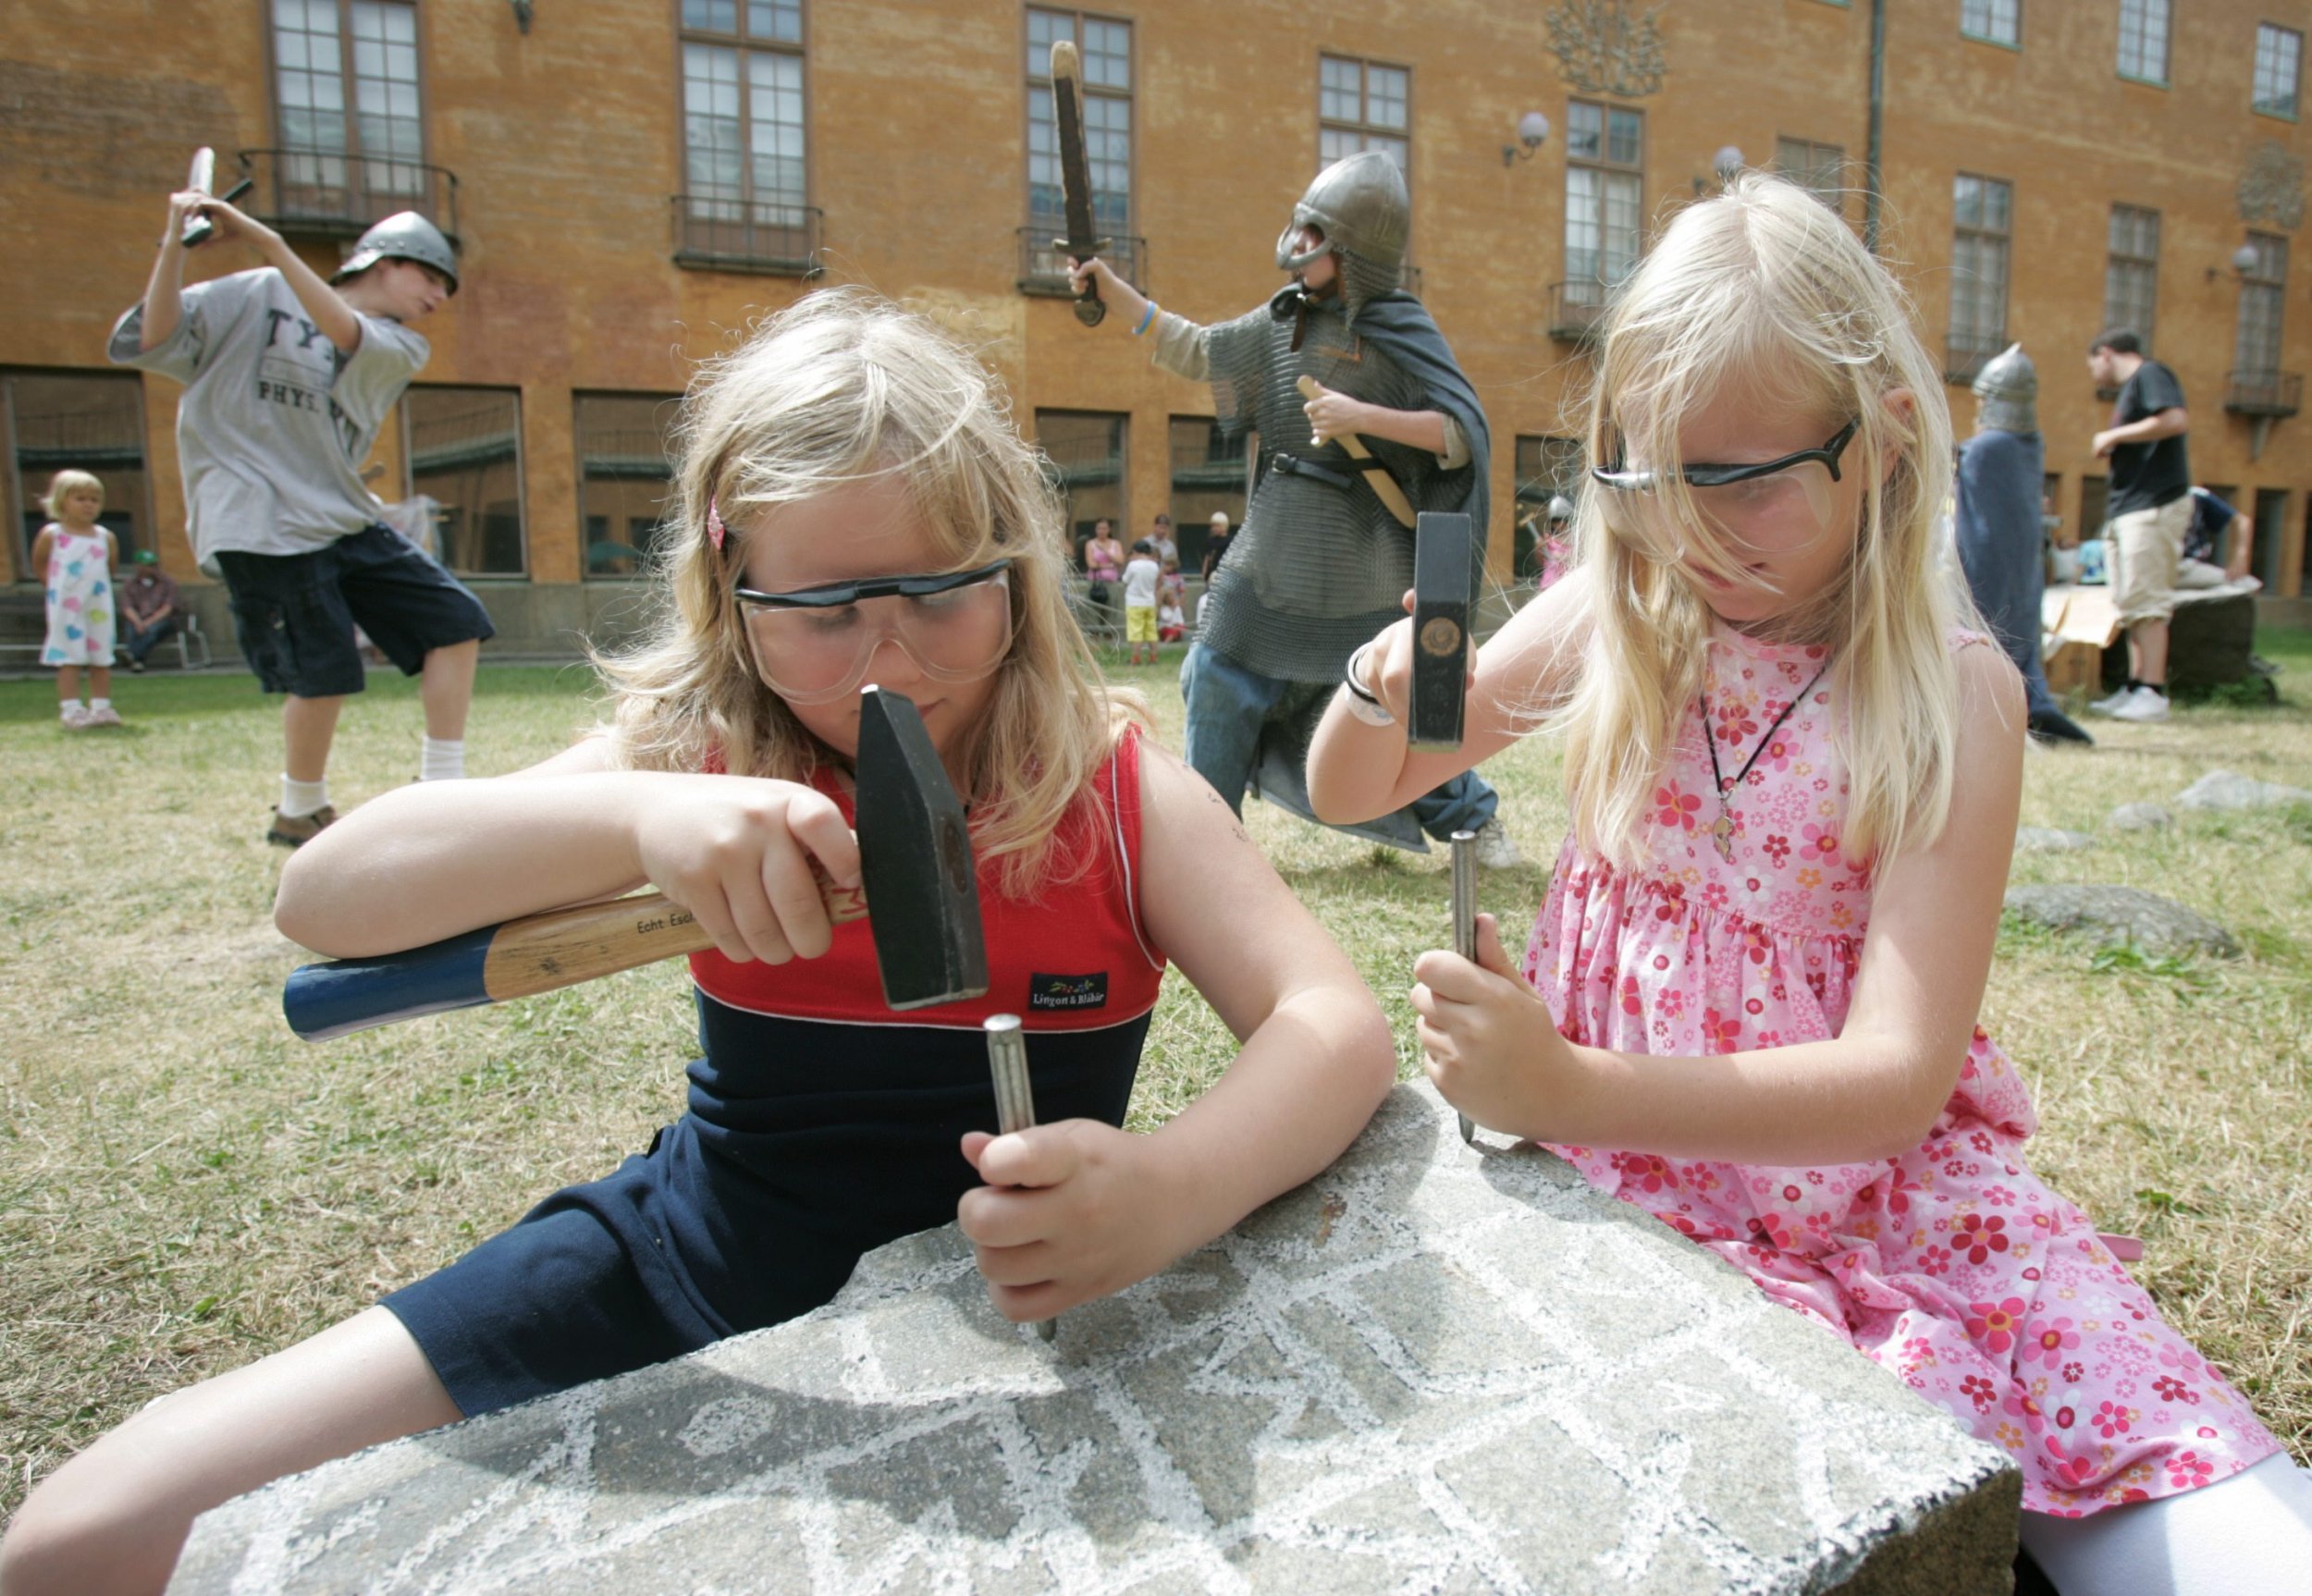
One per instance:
(1749, 1003)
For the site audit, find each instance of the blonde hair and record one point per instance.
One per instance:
(846, 387)
(1763, 290)
(65, 483)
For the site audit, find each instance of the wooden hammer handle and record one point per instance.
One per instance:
(1392, 497)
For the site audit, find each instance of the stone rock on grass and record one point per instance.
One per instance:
(1432, 1367)
(2051, 840)
(2140, 817)
(2121, 914)
(2223, 790)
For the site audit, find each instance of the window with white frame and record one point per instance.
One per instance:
(2130, 272)
(1605, 188)
(1364, 106)
(745, 136)
(2143, 41)
(1981, 224)
(347, 102)
(1993, 21)
(2279, 64)
(1105, 48)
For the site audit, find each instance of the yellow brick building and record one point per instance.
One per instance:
(632, 181)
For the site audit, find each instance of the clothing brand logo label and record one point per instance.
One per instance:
(1068, 991)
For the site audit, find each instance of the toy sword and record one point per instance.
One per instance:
(914, 860)
(1083, 242)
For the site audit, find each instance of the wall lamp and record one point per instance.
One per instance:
(1532, 131)
(1725, 166)
(2243, 260)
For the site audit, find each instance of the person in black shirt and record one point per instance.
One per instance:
(2151, 505)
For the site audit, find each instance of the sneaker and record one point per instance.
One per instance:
(295, 830)
(107, 716)
(73, 717)
(1495, 850)
(2111, 705)
(2144, 704)
(136, 668)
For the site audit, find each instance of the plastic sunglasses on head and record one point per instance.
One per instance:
(814, 645)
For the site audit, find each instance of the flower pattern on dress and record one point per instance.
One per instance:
(1951, 1265)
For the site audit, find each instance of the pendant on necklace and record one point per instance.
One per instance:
(1722, 832)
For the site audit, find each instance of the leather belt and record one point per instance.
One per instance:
(1293, 465)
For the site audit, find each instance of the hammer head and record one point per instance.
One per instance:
(915, 853)
(1444, 591)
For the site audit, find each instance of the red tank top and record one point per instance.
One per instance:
(1076, 958)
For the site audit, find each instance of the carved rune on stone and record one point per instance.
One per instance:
(2271, 190)
(1603, 49)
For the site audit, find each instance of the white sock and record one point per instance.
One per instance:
(2238, 1536)
(300, 799)
(68, 709)
(96, 704)
(441, 761)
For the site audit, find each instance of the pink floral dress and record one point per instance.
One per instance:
(1951, 1265)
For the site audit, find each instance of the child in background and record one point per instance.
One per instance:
(854, 506)
(1141, 576)
(1172, 623)
(76, 557)
(1749, 1003)
(1171, 586)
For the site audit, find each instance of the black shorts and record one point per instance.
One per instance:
(294, 614)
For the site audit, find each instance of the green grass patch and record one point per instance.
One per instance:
(184, 1187)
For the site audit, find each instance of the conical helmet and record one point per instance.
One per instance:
(404, 235)
(2008, 386)
(1361, 206)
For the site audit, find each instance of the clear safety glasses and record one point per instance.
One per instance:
(1764, 506)
(814, 645)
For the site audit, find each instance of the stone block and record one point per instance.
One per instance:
(1431, 1369)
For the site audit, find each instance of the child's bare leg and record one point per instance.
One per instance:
(100, 681)
(115, 1516)
(67, 684)
(308, 727)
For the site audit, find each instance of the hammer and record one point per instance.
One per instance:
(915, 858)
(1444, 594)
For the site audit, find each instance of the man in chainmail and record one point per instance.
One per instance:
(1998, 527)
(1320, 564)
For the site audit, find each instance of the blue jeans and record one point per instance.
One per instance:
(1228, 708)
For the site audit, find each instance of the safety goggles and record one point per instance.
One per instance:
(1761, 505)
(814, 645)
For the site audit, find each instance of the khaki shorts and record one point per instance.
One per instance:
(1139, 623)
(2145, 548)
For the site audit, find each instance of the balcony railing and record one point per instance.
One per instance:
(2264, 394)
(1043, 269)
(315, 193)
(769, 238)
(1965, 358)
(1576, 310)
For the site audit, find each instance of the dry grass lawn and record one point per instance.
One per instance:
(184, 1187)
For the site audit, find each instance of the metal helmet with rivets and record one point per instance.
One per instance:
(2008, 386)
(404, 235)
(1361, 206)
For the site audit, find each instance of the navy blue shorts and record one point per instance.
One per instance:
(818, 1144)
(294, 614)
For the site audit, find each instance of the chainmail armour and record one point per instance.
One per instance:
(1316, 568)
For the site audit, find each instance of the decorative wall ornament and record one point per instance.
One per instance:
(1601, 49)
(2271, 190)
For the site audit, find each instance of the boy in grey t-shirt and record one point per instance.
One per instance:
(288, 380)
